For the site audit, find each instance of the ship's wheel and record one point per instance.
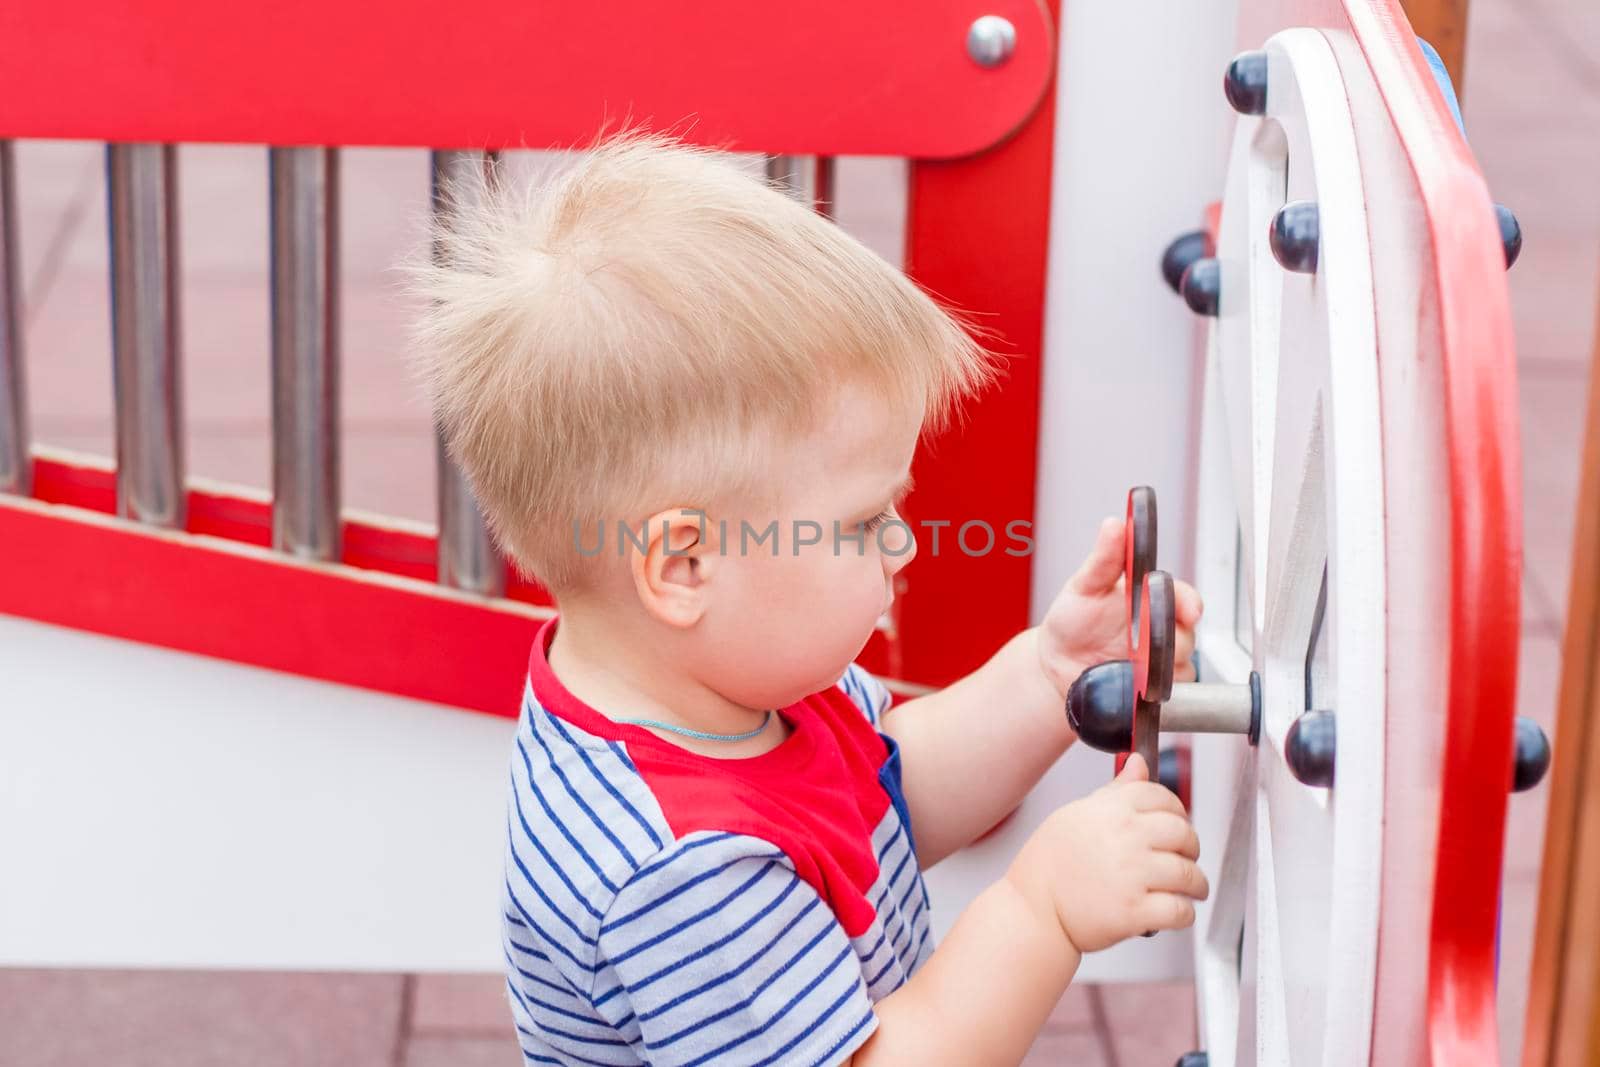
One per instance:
(1290, 558)
(1300, 657)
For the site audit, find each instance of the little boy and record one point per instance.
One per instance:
(688, 406)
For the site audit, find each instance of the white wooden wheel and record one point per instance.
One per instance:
(1290, 559)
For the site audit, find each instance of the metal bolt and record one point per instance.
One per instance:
(991, 40)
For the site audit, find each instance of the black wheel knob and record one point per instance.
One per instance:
(1532, 755)
(1193, 1059)
(1309, 749)
(1100, 706)
(1294, 236)
(1510, 233)
(1245, 83)
(1201, 286)
(1172, 771)
(1181, 254)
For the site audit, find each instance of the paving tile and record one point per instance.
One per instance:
(58, 186)
(1553, 417)
(391, 472)
(429, 1051)
(460, 1004)
(1573, 29)
(65, 1018)
(1518, 914)
(1150, 1022)
(1067, 1048)
(1075, 1009)
(1553, 300)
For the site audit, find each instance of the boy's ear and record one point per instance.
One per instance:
(670, 574)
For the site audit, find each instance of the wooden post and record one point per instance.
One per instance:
(1563, 1022)
(1443, 24)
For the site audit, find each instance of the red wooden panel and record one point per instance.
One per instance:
(830, 78)
(977, 235)
(1486, 536)
(217, 590)
(241, 603)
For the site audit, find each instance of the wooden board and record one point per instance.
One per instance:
(892, 78)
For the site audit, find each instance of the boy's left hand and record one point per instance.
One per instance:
(1088, 621)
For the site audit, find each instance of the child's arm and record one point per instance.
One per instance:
(1099, 870)
(971, 751)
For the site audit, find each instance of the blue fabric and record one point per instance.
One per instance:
(1442, 77)
(889, 778)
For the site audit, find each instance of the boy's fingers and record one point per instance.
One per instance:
(1134, 770)
(1183, 645)
(1187, 605)
(1153, 796)
(1171, 873)
(1102, 568)
(1165, 911)
(1172, 833)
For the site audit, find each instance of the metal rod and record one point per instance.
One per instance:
(467, 556)
(809, 179)
(142, 190)
(1207, 708)
(305, 351)
(16, 471)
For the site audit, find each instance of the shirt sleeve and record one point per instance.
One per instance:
(869, 694)
(717, 952)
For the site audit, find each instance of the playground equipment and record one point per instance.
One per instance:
(1350, 510)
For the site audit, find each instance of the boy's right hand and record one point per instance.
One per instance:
(1117, 863)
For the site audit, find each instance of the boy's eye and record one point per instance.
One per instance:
(876, 521)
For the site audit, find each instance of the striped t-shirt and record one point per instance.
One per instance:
(664, 907)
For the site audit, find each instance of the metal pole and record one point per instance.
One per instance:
(305, 351)
(1208, 708)
(142, 190)
(16, 472)
(809, 179)
(467, 556)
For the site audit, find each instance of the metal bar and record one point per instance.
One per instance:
(467, 556)
(805, 177)
(142, 193)
(305, 351)
(1207, 708)
(16, 470)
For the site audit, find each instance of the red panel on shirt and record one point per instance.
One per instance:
(816, 796)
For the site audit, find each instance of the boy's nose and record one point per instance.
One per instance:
(899, 552)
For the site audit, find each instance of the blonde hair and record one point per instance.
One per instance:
(609, 344)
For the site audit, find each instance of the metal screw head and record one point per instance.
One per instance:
(991, 40)
(1246, 83)
(1294, 236)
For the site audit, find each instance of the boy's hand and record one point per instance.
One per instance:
(1117, 863)
(1088, 621)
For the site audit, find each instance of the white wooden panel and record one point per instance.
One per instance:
(159, 809)
(1139, 151)
(1291, 488)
